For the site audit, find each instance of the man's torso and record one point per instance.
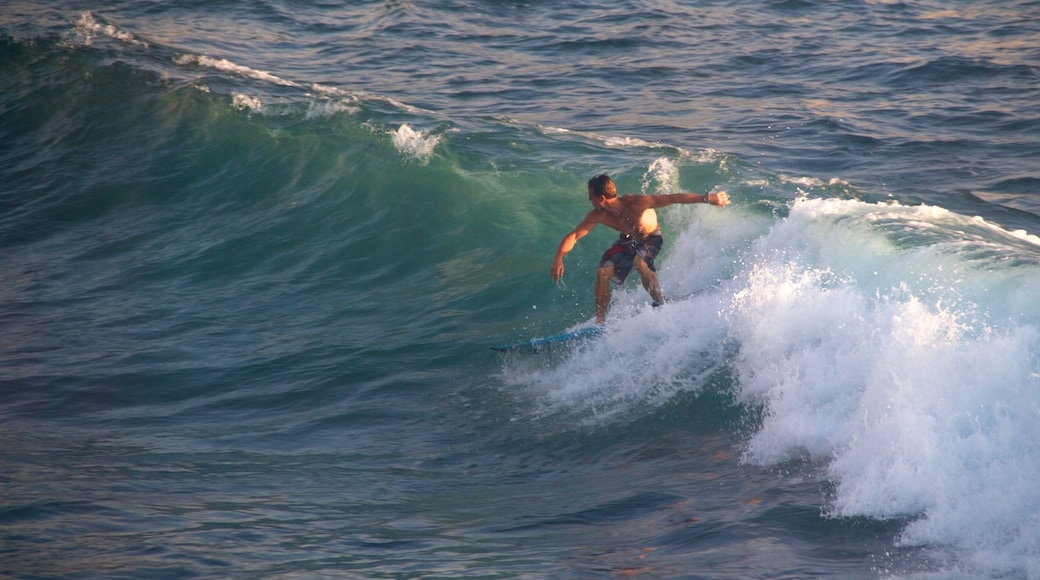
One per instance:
(631, 219)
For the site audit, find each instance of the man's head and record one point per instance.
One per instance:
(602, 187)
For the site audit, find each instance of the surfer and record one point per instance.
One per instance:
(640, 241)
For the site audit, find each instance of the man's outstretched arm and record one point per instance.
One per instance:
(720, 199)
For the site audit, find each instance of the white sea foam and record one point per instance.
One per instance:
(910, 370)
(224, 65)
(615, 141)
(812, 182)
(328, 108)
(87, 27)
(243, 102)
(418, 145)
(896, 345)
(665, 173)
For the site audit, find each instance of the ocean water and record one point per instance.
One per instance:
(252, 256)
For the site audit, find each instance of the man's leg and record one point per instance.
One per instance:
(649, 277)
(603, 276)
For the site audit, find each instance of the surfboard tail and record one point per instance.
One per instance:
(585, 332)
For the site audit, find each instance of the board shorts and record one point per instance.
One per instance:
(624, 251)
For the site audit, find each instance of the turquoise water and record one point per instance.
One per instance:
(254, 255)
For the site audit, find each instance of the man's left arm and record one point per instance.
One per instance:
(720, 198)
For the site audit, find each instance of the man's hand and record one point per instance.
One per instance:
(557, 269)
(720, 199)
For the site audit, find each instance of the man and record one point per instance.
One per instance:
(640, 241)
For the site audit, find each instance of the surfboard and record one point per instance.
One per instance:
(554, 340)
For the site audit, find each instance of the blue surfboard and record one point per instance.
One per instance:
(554, 340)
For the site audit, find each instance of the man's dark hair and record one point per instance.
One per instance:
(602, 186)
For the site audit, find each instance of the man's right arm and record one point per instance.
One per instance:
(567, 244)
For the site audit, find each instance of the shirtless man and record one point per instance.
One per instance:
(640, 241)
